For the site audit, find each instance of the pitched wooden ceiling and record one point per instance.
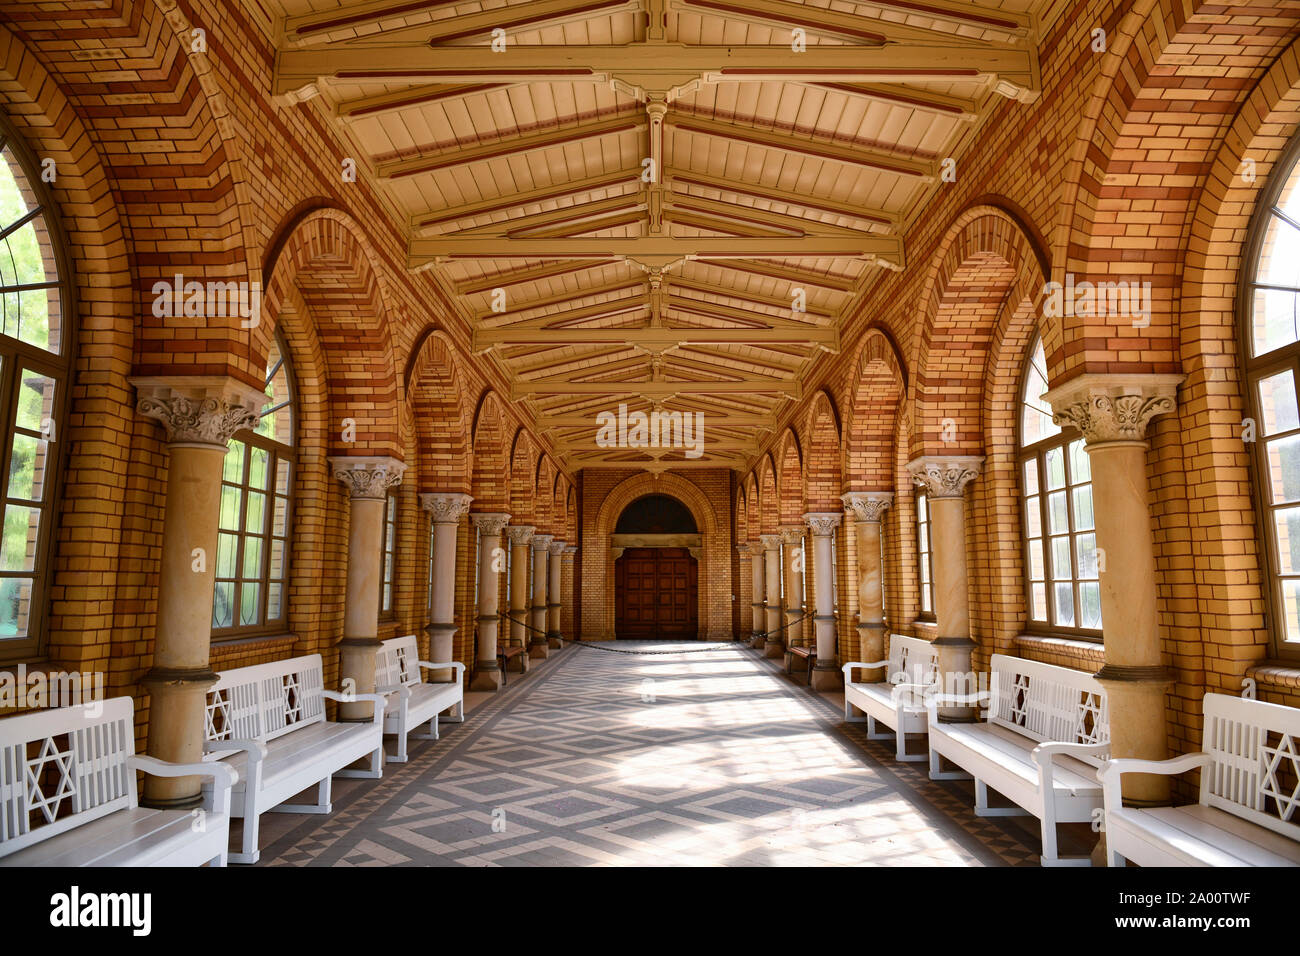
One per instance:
(662, 203)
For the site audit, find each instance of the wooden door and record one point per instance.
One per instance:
(656, 594)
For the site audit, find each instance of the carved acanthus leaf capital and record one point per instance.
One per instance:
(199, 410)
(557, 547)
(446, 508)
(520, 534)
(742, 548)
(367, 477)
(945, 476)
(792, 534)
(489, 524)
(867, 505)
(823, 523)
(1106, 408)
(570, 550)
(770, 541)
(542, 542)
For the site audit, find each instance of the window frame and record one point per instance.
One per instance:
(924, 559)
(59, 366)
(276, 452)
(1253, 369)
(388, 557)
(1037, 453)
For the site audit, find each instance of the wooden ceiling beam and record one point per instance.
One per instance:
(521, 390)
(661, 337)
(741, 295)
(576, 212)
(365, 106)
(772, 270)
(952, 107)
(548, 422)
(752, 215)
(677, 178)
(558, 320)
(561, 298)
(575, 189)
(818, 21)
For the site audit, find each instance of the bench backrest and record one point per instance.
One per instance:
(1048, 703)
(912, 660)
(265, 701)
(398, 662)
(64, 767)
(1254, 750)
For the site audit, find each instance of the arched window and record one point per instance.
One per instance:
(1270, 332)
(35, 341)
(1062, 591)
(256, 511)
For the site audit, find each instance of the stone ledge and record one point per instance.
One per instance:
(1275, 673)
(1085, 652)
(242, 645)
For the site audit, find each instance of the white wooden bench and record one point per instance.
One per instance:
(898, 701)
(1046, 734)
(68, 795)
(1247, 812)
(268, 722)
(412, 701)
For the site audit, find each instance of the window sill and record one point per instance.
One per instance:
(1276, 674)
(255, 642)
(1085, 652)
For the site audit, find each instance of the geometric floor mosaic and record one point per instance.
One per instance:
(613, 759)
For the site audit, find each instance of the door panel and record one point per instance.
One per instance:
(655, 594)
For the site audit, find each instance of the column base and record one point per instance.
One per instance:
(487, 676)
(827, 678)
(553, 641)
(1137, 695)
(773, 649)
(539, 650)
(756, 641)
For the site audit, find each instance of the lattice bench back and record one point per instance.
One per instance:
(1045, 702)
(265, 701)
(1254, 750)
(62, 768)
(912, 660)
(398, 662)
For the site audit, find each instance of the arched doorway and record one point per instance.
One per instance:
(656, 570)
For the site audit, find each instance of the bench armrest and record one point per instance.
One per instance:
(460, 669)
(255, 749)
(1116, 767)
(1044, 754)
(401, 690)
(223, 775)
(864, 665)
(379, 700)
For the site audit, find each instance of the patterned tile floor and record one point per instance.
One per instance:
(711, 757)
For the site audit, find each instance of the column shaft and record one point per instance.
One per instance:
(773, 645)
(491, 559)
(758, 574)
(538, 646)
(446, 509)
(553, 604)
(826, 674)
(520, 569)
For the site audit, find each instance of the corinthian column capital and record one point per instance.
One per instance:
(367, 477)
(867, 505)
(446, 508)
(742, 548)
(199, 410)
(557, 547)
(792, 534)
(823, 523)
(945, 476)
(1107, 408)
(489, 524)
(542, 542)
(770, 541)
(520, 534)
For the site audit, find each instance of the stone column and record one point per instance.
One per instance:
(568, 611)
(446, 510)
(367, 480)
(792, 636)
(826, 674)
(868, 509)
(772, 644)
(199, 415)
(757, 569)
(944, 478)
(520, 537)
(1112, 413)
(538, 646)
(487, 670)
(742, 550)
(553, 596)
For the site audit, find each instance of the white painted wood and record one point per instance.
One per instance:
(68, 795)
(411, 701)
(898, 701)
(1046, 733)
(268, 723)
(1246, 814)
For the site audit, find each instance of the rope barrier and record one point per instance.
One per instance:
(603, 645)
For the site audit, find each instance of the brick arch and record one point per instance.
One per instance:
(324, 259)
(436, 394)
(522, 476)
(751, 507)
(742, 516)
(490, 475)
(985, 265)
(823, 481)
(769, 514)
(877, 391)
(571, 514)
(714, 560)
(543, 502)
(790, 483)
(1155, 72)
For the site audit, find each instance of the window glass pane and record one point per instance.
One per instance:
(1036, 415)
(1062, 567)
(21, 525)
(1279, 255)
(273, 611)
(1080, 464)
(230, 498)
(16, 198)
(1274, 321)
(15, 607)
(1031, 477)
(255, 514)
(257, 470)
(232, 468)
(1064, 596)
(248, 614)
(226, 547)
(35, 402)
(281, 477)
(1038, 609)
(276, 570)
(1283, 455)
(1086, 552)
(1083, 517)
(252, 557)
(276, 422)
(27, 468)
(1055, 458)
(1291, 609)
(223, 604)
(920, 508)
(1036, 560)
(1090, 605)
(1058, 516)
(1286, 529)
(1289, 200)
(1277, 403)
(1033, 517)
